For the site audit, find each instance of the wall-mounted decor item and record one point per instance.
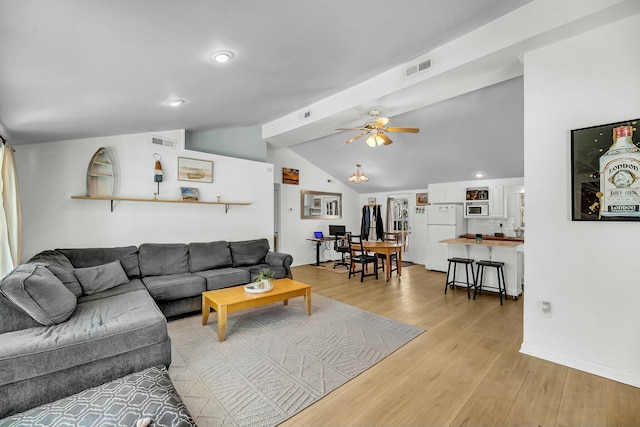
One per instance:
(371, 201)
(605, 173)
(290, 176)
(320, 205)
(157, 172)
(196, 170)
(189, 194)
(101, 174)
(422, 199)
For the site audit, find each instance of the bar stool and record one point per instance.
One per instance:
(468, 263)
(502, 285)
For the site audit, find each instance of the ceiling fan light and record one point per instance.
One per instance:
(374, 140)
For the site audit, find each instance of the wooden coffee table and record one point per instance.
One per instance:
(228, 300)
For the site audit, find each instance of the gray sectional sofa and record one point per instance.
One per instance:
(71, 319)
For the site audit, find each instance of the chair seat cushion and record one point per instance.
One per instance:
(174, 286)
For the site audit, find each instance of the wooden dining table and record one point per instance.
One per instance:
(386, 248)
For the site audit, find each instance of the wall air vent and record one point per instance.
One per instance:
(165, 142)
(414, 69)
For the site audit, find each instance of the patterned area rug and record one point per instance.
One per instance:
(276, 360)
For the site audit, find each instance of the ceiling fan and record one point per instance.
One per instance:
(376, 130)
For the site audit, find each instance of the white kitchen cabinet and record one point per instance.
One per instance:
(446, 195)
(496, 202)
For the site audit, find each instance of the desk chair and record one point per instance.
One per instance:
(341, 245)
(360, 256)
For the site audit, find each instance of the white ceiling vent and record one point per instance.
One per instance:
(165, 142)
(414, 69)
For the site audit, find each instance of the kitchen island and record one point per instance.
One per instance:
(507, 250)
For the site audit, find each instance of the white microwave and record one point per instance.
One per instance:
(477, 209)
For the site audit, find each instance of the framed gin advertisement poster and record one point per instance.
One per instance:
(605, 173)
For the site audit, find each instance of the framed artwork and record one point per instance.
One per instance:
(372, 201)
(317, 202)
(195, 170)
(189, 194)
(290, 176)
(422, 199)
(605, 173)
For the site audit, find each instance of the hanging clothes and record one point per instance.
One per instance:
(366, 221)
(379, 223)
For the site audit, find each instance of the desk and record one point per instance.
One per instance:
(319, 241)
(386, 248)
(508, 252)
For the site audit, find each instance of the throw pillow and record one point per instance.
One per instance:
(101, 277)
(39, 293)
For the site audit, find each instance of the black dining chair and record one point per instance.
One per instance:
(359, 255)
(389, 237)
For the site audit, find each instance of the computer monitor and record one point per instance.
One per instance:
(337, 230)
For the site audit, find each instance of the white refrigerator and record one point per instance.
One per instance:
(443, 222)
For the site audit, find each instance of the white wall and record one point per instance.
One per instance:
(293, 230)
(48, 174)
(587, 270)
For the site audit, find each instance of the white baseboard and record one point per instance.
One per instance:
(582, 365)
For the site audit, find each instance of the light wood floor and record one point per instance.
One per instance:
(465, 370)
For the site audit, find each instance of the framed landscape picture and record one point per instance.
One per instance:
(605, 173)
(189, 194)
(422, 199)
(195, 170)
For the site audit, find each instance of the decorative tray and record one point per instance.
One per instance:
(252, 288)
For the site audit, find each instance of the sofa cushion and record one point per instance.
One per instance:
(158, 259)
(224, 277)
(174, 286)
(97, 330)
(59, 264)
(254, 270)
(39, 293)
(130, 286)
(101, 277)
(127, 255)
(207, 256)
(249, 252)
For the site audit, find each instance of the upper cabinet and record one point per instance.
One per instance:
(446, 195)
(496, 202)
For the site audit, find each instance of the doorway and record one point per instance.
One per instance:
(399, 220)
(276, 216)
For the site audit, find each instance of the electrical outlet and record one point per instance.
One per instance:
(544, 308)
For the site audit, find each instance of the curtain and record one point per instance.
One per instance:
(10, 215)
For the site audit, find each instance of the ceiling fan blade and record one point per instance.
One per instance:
(381, 122)
(354, 138)
(386, 139)
(411, 130)
(350, 129)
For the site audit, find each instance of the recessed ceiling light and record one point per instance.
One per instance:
(176, 102)
(221, 56)
(479, 174)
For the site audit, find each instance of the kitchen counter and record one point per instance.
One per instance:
(509, 251)
(488, 237)
(484, 242)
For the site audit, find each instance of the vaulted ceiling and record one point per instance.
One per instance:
(72, 69)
